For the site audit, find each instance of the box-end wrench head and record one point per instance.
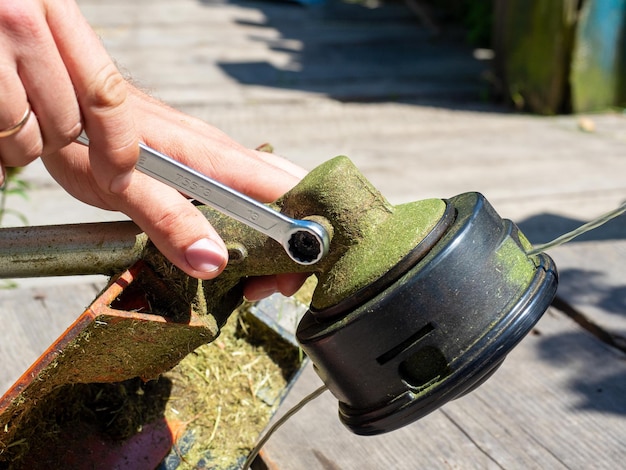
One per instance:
(305, 241)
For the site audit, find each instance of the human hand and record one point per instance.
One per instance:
(55, 79)
(171, 221)
(58, 79)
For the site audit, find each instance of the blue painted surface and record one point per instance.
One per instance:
(599, 60)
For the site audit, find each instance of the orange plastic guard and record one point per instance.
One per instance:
(117, 338)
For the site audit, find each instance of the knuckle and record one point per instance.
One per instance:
(169, 220)
(17, 21)
(33, 152)
(27, 154)
(62, 136)
(179, 223)
(108, 89)
(70, 133)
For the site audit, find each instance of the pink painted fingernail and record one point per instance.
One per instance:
(206, 256)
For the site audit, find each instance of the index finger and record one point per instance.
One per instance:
(102, 95)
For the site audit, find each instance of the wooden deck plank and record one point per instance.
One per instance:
(592, 282)
(556, 402)
(32, 320)
(315, 439)
(560, 391)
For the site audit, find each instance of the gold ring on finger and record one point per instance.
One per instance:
(16, 127)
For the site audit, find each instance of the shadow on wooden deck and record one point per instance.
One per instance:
(352, 53)
(597, 386)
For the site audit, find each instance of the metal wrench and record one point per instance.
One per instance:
(305, 241)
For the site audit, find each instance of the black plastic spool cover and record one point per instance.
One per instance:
(436, 333)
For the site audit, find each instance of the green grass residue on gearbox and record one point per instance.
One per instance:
(379, 250)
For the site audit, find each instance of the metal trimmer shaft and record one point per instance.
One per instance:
(74, 249)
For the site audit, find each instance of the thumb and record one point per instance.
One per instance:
(176, 227)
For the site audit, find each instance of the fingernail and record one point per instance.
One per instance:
(120, 183)
(259, 295)
(206, 256)
(260, 289)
